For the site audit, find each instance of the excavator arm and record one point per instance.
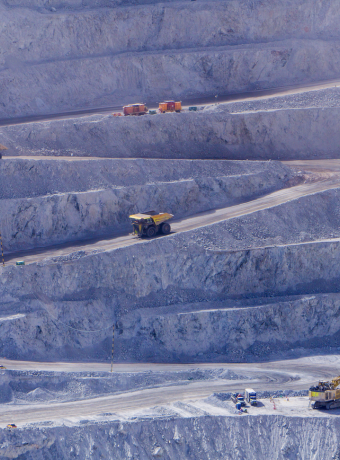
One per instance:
(335, 382)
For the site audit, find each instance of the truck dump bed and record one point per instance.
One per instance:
(157, 218)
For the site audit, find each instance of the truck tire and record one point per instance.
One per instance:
(151, 231)
(166, 228)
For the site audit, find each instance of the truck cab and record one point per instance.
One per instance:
(238, 398)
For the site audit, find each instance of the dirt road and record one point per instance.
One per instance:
(291, 374)
(244, 96)
(196, 221)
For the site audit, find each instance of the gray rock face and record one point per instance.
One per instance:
(156, 26)
(156, 290)
(242, 290)
(26, 178)
(57, 86)
(44, 220)
(232, 330)
(276, 437)
(283, 134)
(72, 54)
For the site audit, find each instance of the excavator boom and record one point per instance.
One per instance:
(335, 382)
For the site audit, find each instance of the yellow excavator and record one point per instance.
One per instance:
(325, 395)
(149, 223)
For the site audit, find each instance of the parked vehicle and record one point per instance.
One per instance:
(325, 395)
(237, 398)
(135, 109)
(141, 109)
(11, 425)
(250, 396)
(170, 106)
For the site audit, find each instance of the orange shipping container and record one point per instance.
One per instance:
(163, 106)
(128, 109)
(178, 106)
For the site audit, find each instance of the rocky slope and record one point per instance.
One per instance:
(72, 54)
(282, 438)
(102, 194)
(279, 130)
(59, 86)
(156, 26)
(25, 178)
(18, 388)
(236, 331)
(250, 288)
(158, 290)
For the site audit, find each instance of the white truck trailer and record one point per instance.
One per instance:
(250, 396)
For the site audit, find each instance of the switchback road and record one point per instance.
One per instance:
(183, 225)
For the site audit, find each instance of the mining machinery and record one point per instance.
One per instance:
(325, 395)
(149, 223)
(135, 109)
(170, 106)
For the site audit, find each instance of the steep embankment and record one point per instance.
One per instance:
(265, 254)
(227, 438)
(63, 59)
(25, 178)
(236, 331)
(48, 207)
(283, 128)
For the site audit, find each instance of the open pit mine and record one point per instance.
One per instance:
(170, 270)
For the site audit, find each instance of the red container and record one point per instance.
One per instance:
(171, 105)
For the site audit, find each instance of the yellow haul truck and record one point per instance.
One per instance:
(150, 222)
(325, 395)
